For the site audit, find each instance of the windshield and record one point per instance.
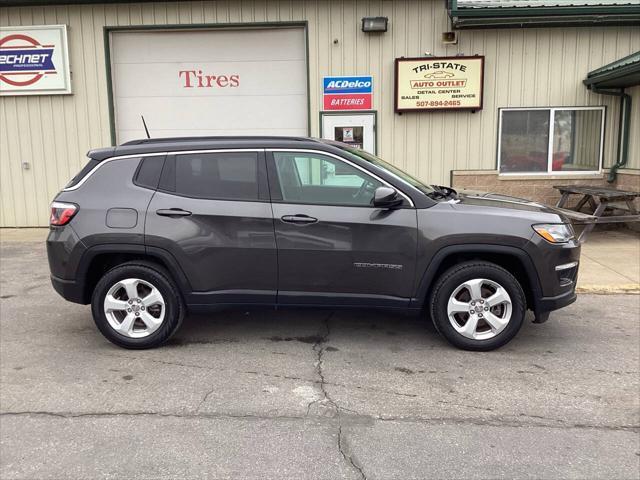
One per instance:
(378, 162)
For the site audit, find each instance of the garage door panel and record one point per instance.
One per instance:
(197, 46)
(268, 94)
(212, 113)
(140, 133)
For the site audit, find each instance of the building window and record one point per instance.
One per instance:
(550, 140)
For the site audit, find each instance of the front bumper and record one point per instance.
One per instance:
(548, 304)
(557, 271)
(566, 279)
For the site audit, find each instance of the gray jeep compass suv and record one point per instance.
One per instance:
(153, 228)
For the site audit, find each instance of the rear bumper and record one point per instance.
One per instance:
(68, 289)
(64, 251)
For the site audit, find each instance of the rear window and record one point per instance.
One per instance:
(91, 164)
(218, 176)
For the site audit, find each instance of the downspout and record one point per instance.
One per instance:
(453, 11)
(623, 132)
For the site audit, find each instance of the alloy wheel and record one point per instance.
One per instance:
(479, 309)
(134, 308)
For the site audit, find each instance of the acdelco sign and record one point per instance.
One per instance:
(348, 85)
(348, 93)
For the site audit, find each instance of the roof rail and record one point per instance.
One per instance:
(144, 141)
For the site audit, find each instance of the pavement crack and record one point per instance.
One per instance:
(352, 420)
(204, 399)
(320, 381)
(142, 413)
(319, 349)
(342, 448)
(162, 362)
(335, 409)
(280, 377)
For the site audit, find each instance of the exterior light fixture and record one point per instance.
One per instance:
(449, 38)
(374, 24)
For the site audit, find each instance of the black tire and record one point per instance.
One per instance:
(447, 283)
(158, 277)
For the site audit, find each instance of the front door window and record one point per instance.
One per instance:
(311, 178)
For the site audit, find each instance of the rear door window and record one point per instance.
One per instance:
(217, 176)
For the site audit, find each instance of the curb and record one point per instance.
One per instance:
(626, 288)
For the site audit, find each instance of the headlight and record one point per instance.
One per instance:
(554, 232)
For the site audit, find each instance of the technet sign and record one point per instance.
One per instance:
(34, 60)
(348, 93)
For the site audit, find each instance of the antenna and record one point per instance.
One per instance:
(145, 126)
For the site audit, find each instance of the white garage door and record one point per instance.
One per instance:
(210, 82)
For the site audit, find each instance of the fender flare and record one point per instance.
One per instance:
(523, 257)
(164, 257)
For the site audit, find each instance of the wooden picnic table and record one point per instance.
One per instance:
(599, 199)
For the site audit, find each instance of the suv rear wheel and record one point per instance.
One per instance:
(478, 306)
(137, 306)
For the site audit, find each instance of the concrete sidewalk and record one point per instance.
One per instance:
(610, 261)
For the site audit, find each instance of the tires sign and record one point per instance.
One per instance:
(348, 93)
(34, 60)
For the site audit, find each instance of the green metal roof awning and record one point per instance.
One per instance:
(612, 79)
(619, 74)
(542, 13)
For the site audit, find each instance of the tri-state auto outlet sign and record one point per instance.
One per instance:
(34, 60)
(348, 93)
(439, 83)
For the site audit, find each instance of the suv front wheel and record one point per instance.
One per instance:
(477, 306)
(137, 306)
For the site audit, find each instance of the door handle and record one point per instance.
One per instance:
(173, 212)
(299, 218)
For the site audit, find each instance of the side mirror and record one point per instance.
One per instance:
(386, 197)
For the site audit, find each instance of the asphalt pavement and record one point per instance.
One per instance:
(311, 394)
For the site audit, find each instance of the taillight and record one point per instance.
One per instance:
(62, 213)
